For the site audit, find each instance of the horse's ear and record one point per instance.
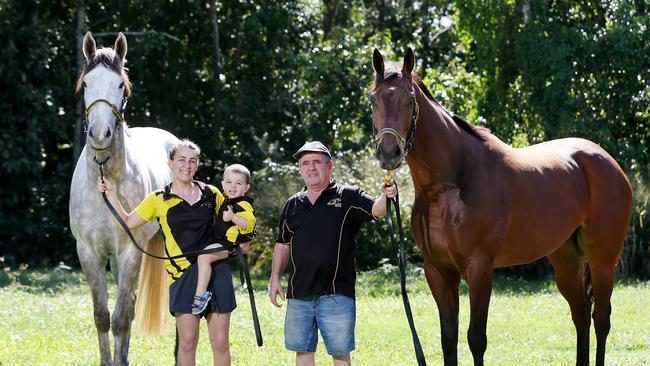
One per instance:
(89, 47)
(378, 64)
(120, 46)
(409, 62)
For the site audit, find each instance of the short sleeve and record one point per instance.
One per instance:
(147, 208)
(284, 233)
(247, 214)
(359, 198)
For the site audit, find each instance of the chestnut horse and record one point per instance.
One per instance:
(481, 204)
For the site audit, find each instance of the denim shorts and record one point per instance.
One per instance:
(333, 315)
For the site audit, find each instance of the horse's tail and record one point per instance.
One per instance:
(152, 304)
(586, 281)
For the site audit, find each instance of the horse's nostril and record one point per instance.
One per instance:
(396, 153)
(90, 132)
(108, 132)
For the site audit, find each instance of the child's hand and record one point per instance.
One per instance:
(228, 214)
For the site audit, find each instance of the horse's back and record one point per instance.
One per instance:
(151, 146)
(602, 174)
(558, 187)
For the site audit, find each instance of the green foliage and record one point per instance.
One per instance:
(298, 70)
(36, 159)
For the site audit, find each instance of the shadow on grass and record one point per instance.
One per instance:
(41, 281)
(382, 281)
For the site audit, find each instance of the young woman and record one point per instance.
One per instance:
(186, 210)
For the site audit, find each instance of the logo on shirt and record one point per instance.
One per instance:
(336, 202)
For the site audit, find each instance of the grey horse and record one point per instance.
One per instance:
(136, 160)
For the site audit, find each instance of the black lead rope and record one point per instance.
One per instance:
(242, 259)
(419, 354)
(251, 296)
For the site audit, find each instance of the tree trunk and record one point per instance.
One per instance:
(329, 18)
(640, 7)
(79, 107)
(216, 61)
(426, 39)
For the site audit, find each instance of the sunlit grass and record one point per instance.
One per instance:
(47, 320)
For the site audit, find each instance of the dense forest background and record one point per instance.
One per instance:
(250, 81)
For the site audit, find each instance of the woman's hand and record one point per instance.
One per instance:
(104, 186)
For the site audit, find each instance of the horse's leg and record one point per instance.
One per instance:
(603, 239)
(478, 274)
(602, 280)
(444, 288)
(95, 270)
(567, 262)
(129, 263)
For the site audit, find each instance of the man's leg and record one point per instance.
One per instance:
(343, 360)
(300, 332)
(336, 317)
(305, 359)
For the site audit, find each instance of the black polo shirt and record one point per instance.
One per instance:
(322, 239)
(185, 227)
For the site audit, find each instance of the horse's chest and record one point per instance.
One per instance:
(438, 216)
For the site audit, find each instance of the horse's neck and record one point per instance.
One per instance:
(441, 150)
(115, 166)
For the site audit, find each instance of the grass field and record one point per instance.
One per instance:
(47, 320)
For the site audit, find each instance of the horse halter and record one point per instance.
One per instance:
(404, 144)
(118, 113)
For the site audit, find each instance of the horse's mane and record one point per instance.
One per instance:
(392, 71)
(106, 57)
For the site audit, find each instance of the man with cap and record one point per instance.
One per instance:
(317, 231)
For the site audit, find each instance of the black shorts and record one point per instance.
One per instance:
(181, 292)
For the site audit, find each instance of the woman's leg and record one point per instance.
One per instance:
(204, 261)
(188, 339)
(218, 329)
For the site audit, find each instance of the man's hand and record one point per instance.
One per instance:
(275, 289)
(390, 191)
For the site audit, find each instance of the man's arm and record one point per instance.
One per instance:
(379, 207)
(281, 254)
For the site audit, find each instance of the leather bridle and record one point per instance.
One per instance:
(405, 145)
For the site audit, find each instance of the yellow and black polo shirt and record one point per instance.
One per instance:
(241, 206)
(322, 239)
(185, 227)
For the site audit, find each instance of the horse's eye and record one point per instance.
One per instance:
(373, 99)
(121, 85)
(83, 84)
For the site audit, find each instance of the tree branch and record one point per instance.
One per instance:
(144, 33)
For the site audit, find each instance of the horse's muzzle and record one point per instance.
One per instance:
(390, 158)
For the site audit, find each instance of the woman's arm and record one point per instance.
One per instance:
(132, 219)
